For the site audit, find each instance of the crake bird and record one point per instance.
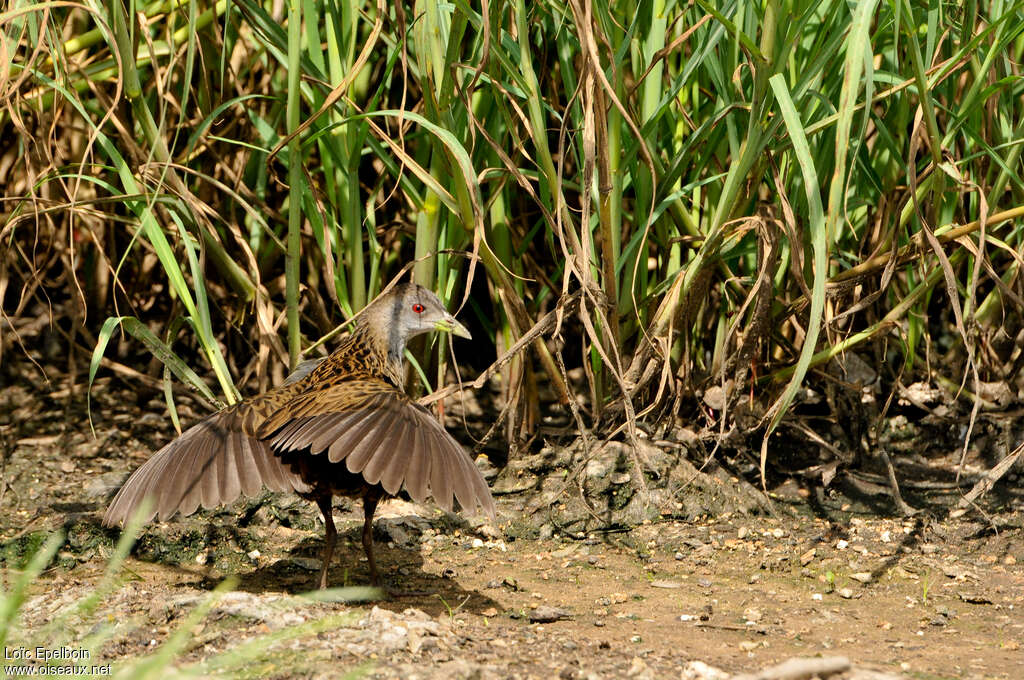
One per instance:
(345, 427)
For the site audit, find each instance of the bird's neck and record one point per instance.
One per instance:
(384, 347)
(373, 348)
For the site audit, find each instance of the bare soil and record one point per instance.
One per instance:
(916, 598)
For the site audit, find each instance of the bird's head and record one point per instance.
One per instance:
(408, 310)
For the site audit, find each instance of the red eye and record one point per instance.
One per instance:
(418, 308)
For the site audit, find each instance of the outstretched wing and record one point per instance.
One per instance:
(383, 435)
(210, 464)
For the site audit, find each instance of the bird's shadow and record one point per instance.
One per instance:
(228, 538)
(295, 568)
(405, 581)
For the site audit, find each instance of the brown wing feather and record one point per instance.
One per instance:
(462, 477)
(182, 474)
(228, 468)
(292, 430)
(211, 472)
(355, 428)
(390, 458)
(417, 481)
(322, 434)
(440, 470)
(212, 463)
(380, 433)
(272, 473)
(391, 476)
(250, 479)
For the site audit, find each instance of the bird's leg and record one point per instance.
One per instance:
(324, 503)
(369, 507)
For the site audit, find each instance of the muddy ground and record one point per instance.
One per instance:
(825, 576)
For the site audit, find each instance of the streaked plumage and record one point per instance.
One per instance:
(343, 426)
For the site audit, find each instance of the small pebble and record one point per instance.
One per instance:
(546, 614)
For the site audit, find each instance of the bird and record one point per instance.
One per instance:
(340, 426)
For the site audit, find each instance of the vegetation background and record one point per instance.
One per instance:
(664, 196)
(638, 204)
(655, 215)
